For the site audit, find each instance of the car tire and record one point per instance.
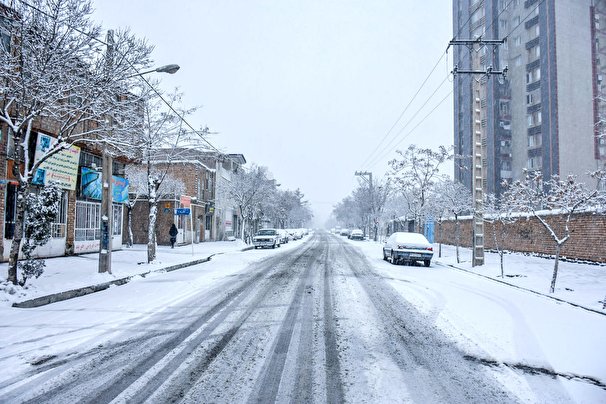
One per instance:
(427, 263)
(384, 256)
(394, 261)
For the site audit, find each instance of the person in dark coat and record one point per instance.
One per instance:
(173, 235)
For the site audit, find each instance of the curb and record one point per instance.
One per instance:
(526, 290)
(86, 290)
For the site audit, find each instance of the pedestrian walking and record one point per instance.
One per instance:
(173, 235)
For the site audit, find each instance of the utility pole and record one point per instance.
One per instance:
(368, 174)
(478, 137)
(105, 244)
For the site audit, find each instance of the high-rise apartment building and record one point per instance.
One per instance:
(547, 113)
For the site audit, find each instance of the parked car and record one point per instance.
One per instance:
(345, 232)
(284, 236)
(356, 234)
(295, 233)
(269, 238)
(403, 247)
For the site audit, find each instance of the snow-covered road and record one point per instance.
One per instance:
(322, 321)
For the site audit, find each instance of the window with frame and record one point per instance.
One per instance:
(88, 221)
(10, 209)
(117, 217)
(535, 163)
(535, 140)
(59, 226)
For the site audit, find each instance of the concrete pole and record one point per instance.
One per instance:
(105, 250)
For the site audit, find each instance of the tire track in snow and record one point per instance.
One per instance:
(434, 367)
(134, 366)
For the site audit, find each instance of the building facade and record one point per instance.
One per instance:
(544, 115)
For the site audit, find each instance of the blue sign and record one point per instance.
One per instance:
(182, 211)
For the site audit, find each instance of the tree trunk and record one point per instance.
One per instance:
(555, 268)
(457, 238)
(440, 242)
(129, 224)
(13, 257)
(151, 231)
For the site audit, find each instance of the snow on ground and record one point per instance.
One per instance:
(509, 328)
(506, 328)
(80, 324)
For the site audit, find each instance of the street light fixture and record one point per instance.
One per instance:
(170, 69)
(105, 244)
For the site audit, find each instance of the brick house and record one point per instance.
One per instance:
(209, 220)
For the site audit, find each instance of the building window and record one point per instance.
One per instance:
(517, 61)
(516, 21)
(10, 210)
(535, 163)
(59, 226)
(517, 41)
(535, 140)
(88, 221)
(117, 213)
(534, 119)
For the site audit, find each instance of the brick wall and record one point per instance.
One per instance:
(587, 241)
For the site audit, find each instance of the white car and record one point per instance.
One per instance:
(356, 234)
(269, 238)
(403, 247)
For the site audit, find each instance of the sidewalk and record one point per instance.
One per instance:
(66, 277)
(580, 284)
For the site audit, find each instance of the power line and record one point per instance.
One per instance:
(373, 160)
(386, 148)
(404, 110)
(422, 120)
(370, 159)
(179, 115)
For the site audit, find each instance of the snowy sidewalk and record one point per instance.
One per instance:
(581, 284)
(63, 274)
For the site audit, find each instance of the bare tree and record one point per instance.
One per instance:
(542, 198)
(55, 69)
(456, 200)
(248, 190)
(415, 172)
(159, 137)
(499, 215)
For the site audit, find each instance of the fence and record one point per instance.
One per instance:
(587, 235)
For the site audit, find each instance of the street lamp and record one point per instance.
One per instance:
(105, 244)
(170, 69)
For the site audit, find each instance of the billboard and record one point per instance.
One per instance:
(91, 186)
(61, 167)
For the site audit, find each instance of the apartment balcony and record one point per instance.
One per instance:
(533, 86)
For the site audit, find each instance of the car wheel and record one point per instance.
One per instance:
(427, 262)
(394, 260)
(384, 256)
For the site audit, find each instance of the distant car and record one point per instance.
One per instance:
(345, 232)
(269, 238)
(356, 234)
(284, 236)
(403, 247)
(296, 234)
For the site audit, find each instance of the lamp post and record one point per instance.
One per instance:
(107, 216)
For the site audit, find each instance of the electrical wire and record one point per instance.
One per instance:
(373, 161)
(179, 115)
(386, 149)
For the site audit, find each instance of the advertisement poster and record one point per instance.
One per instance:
(61, 167)
(91, 186)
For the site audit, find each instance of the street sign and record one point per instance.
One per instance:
(182, 211)
(185, 201)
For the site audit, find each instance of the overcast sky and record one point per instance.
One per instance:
(308, 88)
